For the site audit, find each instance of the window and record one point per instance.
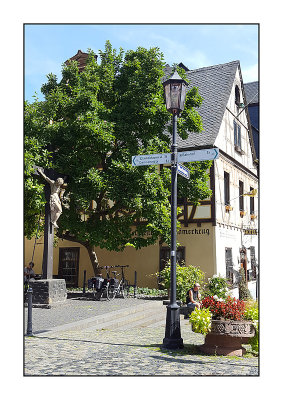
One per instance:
(229, 264)
(237, 95)
(241, 197)
(237, 136)
(253, 262)
(165, 256)
(226, 188)
(252, 203)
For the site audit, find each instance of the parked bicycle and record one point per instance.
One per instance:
(108, 287)
(118, 287)
(99, 287)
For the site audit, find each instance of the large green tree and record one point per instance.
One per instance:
(95, 121)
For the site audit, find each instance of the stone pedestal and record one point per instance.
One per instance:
(48, 291)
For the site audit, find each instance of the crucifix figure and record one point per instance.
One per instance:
(53, 210)
(55, 203)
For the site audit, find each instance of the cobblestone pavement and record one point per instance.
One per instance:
(130, 352)
(75, 309)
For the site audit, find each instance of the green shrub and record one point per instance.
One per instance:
(253, 341)
(251, 310)
(201, 320)
(251, 313)
(185, 279)
(217, 286)
(148, 291)
(244, 293)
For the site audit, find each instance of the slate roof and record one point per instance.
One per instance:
(251, 91)
(215, 85)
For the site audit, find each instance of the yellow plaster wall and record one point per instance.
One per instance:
(199, 251)
(199, 247)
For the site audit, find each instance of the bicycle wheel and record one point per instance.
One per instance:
(106, 292)
(122, 290)
(111, 292)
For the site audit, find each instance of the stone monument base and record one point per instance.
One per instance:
(48, 292)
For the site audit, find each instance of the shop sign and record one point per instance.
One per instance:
(250, 231)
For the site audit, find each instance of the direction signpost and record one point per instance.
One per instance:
(151, 159)
(198, 155)
(183, 171)
(182, 156)
(172, 339)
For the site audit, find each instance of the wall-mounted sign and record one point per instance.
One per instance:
(250, 231)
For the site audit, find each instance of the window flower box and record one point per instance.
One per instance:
(228, 208)
(253, 216)
(242, 213)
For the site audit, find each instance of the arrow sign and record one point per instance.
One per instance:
(198, 155)
(183, 171)
(151, 159)
(183, 156)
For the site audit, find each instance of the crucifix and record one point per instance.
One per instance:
(53, 210)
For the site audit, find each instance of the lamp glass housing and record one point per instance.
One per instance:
(175, 93)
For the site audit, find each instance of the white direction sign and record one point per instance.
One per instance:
(183, 156)
(151, 159)
(198, 155)
(183, 171)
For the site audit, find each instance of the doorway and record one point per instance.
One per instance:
(69, 265)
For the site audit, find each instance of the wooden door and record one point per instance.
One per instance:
(69, 265)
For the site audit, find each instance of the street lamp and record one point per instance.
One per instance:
(175, 94)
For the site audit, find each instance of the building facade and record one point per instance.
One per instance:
(221, 233)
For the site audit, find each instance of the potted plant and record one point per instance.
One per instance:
(230, 327)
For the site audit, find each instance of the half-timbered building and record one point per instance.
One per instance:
(221, 233)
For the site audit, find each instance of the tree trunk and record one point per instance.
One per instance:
(93, 259)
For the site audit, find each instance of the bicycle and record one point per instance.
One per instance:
(116, 287)
(99, 287)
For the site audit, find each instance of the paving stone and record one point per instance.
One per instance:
(135, 352)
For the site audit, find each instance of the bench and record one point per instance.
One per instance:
(184, 310)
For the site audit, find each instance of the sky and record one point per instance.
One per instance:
(47, 46)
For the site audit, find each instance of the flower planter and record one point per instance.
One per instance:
(227, 336)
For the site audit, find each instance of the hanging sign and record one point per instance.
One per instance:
(250, 231)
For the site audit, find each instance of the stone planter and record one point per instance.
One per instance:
(227, 336)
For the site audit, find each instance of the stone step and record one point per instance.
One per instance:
(136, 318)
(142, 321)
(108, 319)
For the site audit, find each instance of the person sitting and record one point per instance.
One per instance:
(193, 297)
(29, 272)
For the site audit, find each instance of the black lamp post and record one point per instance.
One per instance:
(175, 94)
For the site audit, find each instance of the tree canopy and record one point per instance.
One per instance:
(95, 121)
